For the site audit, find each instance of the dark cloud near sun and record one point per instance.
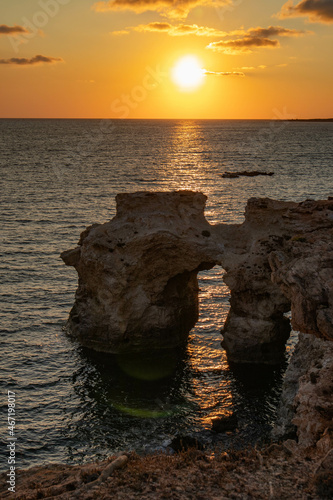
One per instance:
(242, 45)
(172, 8)
(255, 38)
(276, 31)
(12, 30)
(154, 27)
(317, 11)
(39, 59)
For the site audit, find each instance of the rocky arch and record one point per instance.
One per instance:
(138, 274)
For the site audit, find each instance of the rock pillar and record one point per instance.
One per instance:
(138, 273)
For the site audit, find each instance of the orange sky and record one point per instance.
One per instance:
(115, 59)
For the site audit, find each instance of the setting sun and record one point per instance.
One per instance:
(188, 73)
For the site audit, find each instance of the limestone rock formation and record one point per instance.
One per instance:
(138, 273)
(138, 290)
(286, 244)
(306, 407)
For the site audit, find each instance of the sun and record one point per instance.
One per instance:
(188, 73)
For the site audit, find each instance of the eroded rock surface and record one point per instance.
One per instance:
(138, 274)
(306, 407)
(286, 244)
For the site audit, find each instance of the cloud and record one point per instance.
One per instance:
(172, 8)
(120, 33)
(254, 38)
(180, 30)
(276, 31)
(317, 11)
(12, 30)
(223, 73)
(23, 61)
(154, 27)
(262, 67)
(251, 38)
(242, 45)
(251, 68)
(194, 29)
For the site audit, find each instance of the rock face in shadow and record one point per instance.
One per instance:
(306, 406)
(279, 259)
(138, 274)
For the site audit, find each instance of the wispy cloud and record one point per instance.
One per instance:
(276, 31)
(39, 59)
(180, 30)
(255, 38)
(223, 73)
(172, 8)
(317, 11)
(12, 30)
(120, 32)
(252, 68)
(242, 45)
(261, 67)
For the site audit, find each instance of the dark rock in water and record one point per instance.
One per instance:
(230, 175)
(183, 443)
(235, 175)
(225, 423)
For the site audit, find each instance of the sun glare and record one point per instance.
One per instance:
(188, 73)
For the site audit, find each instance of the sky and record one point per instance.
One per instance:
(200, 59)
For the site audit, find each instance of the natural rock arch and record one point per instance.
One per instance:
(138, 274)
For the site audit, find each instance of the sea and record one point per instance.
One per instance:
(58, 177)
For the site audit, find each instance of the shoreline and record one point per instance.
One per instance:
(274, 471)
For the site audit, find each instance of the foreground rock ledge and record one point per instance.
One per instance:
(274, 472)
(138, 274)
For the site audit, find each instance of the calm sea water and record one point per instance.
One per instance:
(57, 177)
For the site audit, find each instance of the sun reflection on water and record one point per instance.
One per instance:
(207, 359)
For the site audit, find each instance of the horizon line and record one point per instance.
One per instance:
(166, 119)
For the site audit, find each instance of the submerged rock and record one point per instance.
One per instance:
(225, 423)
(182, 443)
(253, 173)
